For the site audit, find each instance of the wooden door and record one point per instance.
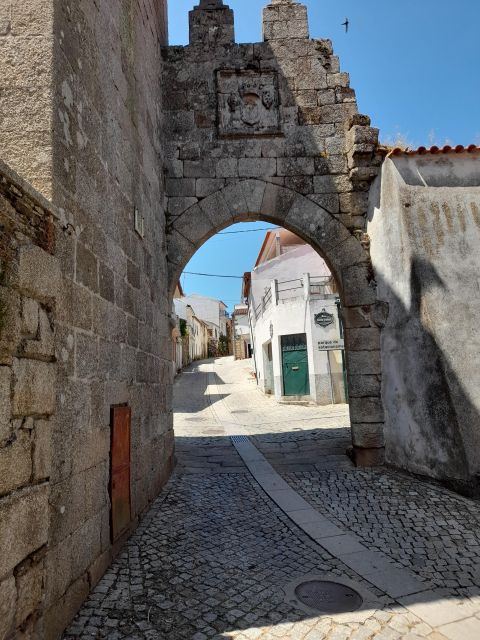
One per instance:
(120, 471)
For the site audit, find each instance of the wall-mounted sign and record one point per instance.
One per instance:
(331, 345)
(324, 319)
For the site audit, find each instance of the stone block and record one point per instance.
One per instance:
(8, 601)
(338, 80)
(29, 317)
(74, 306)
(206, 186)
(364, 363)
(61, 613)
(196, 227)
(366, 410)
(235, 200)
(34, 390)
(354, 203)
(295, 166)
(374, 457)
(106, 282)
(176, 206)
(331, 184)
(85, 546)
(30, 586)
(257, 167)
(86, 268)
(358, 286)
(216, 210)
(10, 323)
(328, 201)
(360, 386)
(277, 202)
(42, 450)
(42, 348)
(15, 463)
(368, 435)
(363, 339)
(254, 191)
(180, 187)
(38, 274)
(5, 402)
(199, 169)
(23, 525)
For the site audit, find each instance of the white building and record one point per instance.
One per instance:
(294, 312)
(212, 311)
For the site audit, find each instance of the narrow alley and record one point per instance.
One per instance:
(264, 498)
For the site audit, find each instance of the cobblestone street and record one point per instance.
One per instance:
(216, 554)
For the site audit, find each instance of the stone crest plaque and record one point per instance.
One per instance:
(247, 103)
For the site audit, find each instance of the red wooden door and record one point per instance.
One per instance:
(120, 471)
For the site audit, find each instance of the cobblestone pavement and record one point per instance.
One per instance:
(214, 554)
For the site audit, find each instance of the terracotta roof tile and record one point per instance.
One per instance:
(434, 150)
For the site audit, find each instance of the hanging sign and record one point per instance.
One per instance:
(324, 319)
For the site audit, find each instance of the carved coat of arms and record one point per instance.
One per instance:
(247, 103)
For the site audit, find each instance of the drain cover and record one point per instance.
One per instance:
(328, 597)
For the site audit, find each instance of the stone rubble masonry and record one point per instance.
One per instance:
(30, 281)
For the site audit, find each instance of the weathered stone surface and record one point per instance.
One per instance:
(15, 463)
(38, 274)
(5, 402)
(8, 597)
(366, 410)
(29, 317)
(42, 450)
(34, 391)
(30, 589)
(23, 525)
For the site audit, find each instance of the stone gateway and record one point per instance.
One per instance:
(123, 156)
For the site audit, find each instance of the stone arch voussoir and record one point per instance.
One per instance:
(254, 199)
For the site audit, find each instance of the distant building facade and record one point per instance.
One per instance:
(294, 312)
(214, 313)
(241, 336)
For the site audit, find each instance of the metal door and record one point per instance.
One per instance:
(295, 365)
(120, 471)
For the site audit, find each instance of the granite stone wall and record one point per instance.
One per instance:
(271, 131)
(85, 77)
(29, 289)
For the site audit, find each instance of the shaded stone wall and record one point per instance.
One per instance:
(85, 77)
(29, 289)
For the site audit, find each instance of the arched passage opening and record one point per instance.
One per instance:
(348, 260)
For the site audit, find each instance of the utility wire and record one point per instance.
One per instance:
(212, 275)
(224, 233)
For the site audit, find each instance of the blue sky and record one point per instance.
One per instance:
(414, 65)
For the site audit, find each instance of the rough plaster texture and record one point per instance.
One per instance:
(424, 225)
(270, 131)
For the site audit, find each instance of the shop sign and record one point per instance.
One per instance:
(324, 319)
(331, 345)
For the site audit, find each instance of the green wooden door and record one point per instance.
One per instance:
(295, 365)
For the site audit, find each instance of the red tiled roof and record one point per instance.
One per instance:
(434, 150)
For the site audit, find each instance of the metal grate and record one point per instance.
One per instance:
(239, 439)
(326, 596)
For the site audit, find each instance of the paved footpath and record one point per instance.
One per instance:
(263, 495)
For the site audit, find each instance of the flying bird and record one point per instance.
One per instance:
(346, 24)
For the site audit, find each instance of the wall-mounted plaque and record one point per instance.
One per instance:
(324, 319)
(247, 103)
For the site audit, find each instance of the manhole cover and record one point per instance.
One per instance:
(328, 597)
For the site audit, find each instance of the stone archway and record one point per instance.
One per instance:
(348, 260)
